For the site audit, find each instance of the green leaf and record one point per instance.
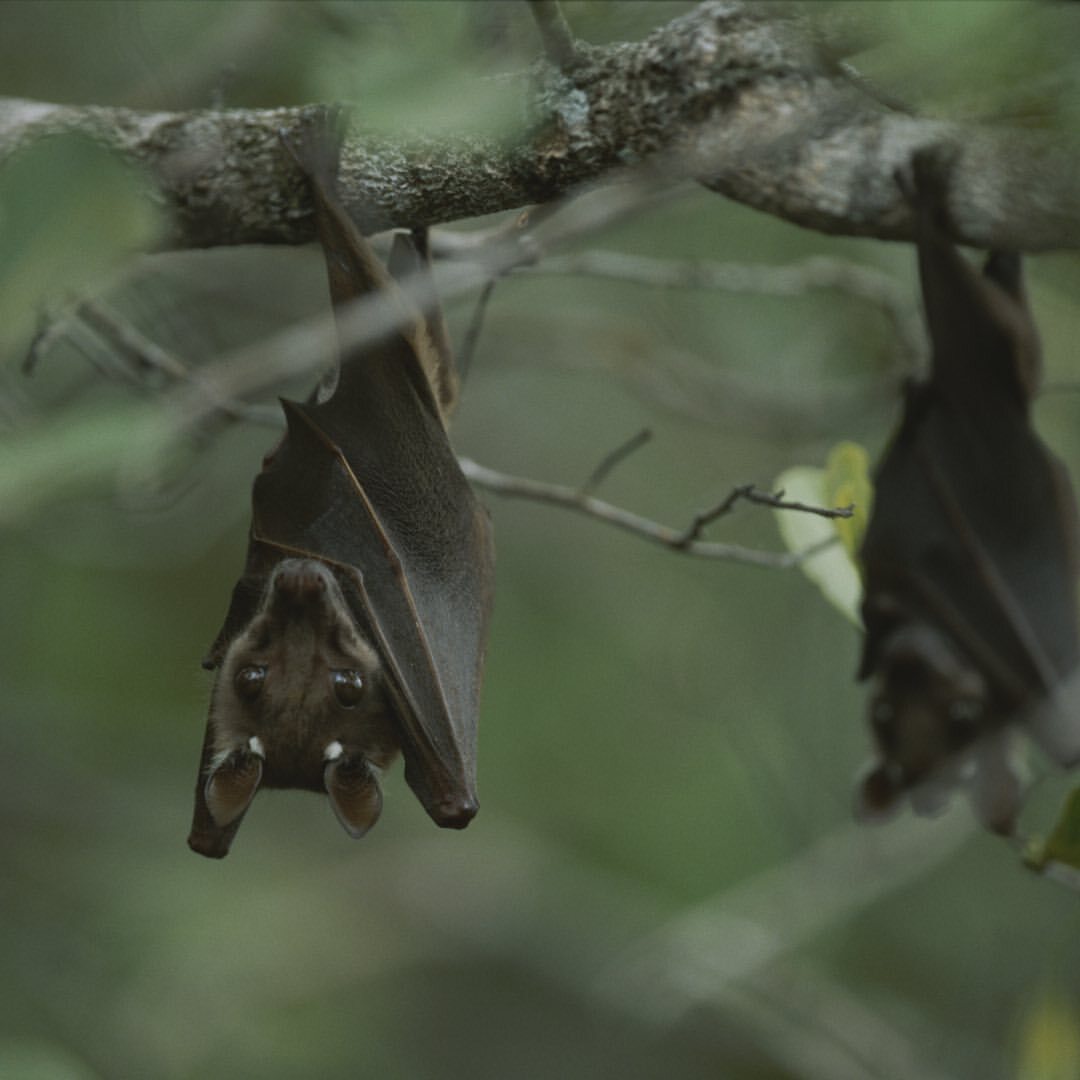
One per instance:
(847, 483)
(1062, 846)
(1049, 1044)
(844, 481)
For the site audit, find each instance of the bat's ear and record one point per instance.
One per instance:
(354, 792)
(877, 796)
(232, 785)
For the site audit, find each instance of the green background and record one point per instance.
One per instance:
(664, 879)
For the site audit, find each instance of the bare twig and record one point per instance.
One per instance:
(143, 355)
(555, 33)
(472, 333)
(50, 330)
(855, 279)
(249, 370)
(751, 494)
(778, 502)
(573, 499)
(613, 460)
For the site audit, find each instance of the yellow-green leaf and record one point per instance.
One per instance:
(1050, 1039)
(847, 483)
(1062, 846)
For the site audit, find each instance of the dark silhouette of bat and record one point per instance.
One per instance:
(970, 555)
(359, 625)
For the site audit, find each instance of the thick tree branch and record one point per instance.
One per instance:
(732, 94)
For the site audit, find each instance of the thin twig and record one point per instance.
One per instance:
(762, 498)
(294, 351)
(613, 460)
(50, 330)
(778, 502)
(555, 33)
(818, 273)
(472, 333)
(142, 356)
(572, 499)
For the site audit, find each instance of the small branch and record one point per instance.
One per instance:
(555, 33)
(144, 356)
(762, 498)
(613, 460)
(573, 499)
(819, 273)
(778, 502)
(472, 333)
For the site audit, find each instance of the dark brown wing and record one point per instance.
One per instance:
(974, 521)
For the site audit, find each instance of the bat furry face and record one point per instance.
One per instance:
(936, 726)
(297, 703)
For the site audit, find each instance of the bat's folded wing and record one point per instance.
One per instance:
(970, 526)
(367, 482)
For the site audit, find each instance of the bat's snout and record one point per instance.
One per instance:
(300, 582)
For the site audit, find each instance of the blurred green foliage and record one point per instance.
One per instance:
(663, 880)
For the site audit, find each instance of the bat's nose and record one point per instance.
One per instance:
(300, 581)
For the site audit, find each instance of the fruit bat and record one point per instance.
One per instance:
(970, 554)
(358, 628)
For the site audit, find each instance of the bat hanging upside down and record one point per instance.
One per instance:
(359, 625)
(970, 556)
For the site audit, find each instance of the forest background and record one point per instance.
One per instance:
(664, 878)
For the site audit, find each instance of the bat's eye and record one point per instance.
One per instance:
(348, 687)
(249, 681)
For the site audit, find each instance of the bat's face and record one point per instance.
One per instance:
(299, 703)
(928, 710)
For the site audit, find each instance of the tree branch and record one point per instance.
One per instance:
(684, 541)
(738, 96)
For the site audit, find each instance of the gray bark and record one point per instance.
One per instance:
(738, 96)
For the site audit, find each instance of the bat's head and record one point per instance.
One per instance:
(298, 702)
(935, 725)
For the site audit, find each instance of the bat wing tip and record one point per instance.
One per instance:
(455, 813)
(212, 846)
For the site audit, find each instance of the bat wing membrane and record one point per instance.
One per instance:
(367, 482)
